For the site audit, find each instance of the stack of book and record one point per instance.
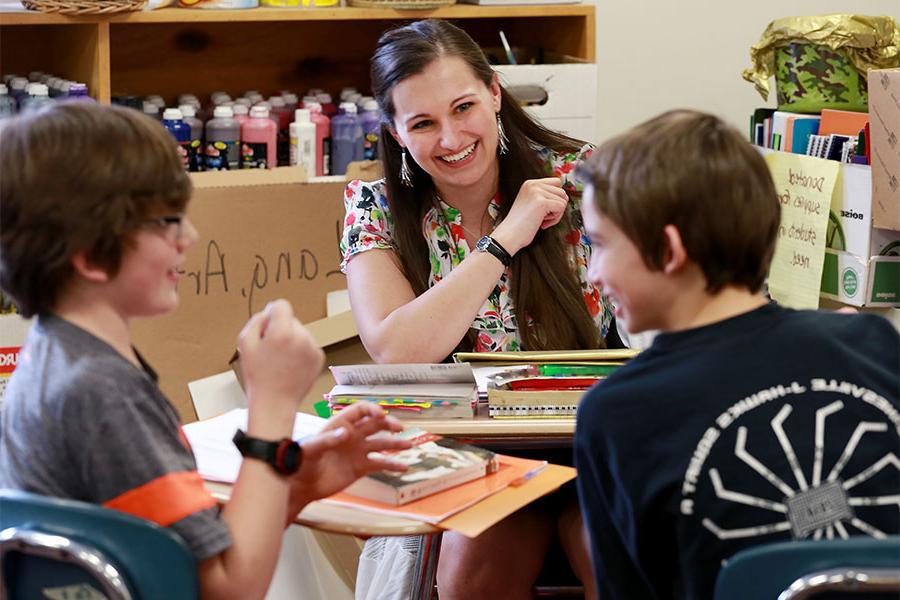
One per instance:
(540, 384)
(409, 392)
(839, 135)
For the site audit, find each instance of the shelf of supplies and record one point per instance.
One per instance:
(263, 14)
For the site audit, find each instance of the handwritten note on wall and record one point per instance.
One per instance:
(804, 186)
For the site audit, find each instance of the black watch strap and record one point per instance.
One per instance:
(284, 455)
(492, 246)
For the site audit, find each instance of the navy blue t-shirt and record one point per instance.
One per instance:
(773, 425)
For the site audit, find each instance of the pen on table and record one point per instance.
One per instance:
(509, 55)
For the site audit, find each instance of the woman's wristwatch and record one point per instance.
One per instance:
(490, 245)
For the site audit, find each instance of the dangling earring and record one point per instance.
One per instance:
(502, 140)
(405, 171)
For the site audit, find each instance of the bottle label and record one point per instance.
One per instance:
(370, 146)
(184, 153)
(326, 156)
(195, 156)
(222, 156)
(254, 155)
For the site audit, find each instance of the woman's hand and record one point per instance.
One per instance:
(541, 203)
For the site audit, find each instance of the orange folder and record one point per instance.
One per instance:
(842, 122)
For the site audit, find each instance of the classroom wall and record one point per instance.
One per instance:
(654, 55)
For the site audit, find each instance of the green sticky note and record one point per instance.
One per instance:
(322, 409)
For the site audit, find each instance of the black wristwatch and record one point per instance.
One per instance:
(489, 244)
(284, 456)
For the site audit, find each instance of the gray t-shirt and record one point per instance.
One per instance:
(80, 421)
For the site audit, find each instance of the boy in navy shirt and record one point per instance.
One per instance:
(745, 422)
(92, 202)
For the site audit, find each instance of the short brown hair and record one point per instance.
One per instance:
(78, 176)
(693, 171)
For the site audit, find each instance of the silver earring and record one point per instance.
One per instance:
(405, 171)
(502, 140)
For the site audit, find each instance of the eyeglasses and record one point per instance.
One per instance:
(170, 225)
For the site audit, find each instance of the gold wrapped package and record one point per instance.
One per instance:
(821, 61)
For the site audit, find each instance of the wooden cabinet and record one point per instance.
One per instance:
(171, 51)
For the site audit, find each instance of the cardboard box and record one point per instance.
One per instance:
(565, 92)
(13, 331)
(262, 235)
(884, 127)
(861, 282)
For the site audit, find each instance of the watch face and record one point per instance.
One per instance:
(483, 243)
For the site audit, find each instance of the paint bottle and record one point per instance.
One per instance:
(173, 121)
(371, 124)
(157, 100)
(195, 147)
(77, 91)
(241, 113)
(38, 96)
(258, 140)
(7, 103)
(328, 107)
(291, 101)
(282, 117)
(323, 138)
(303, 141)
(346, 138)
(150, 109)
(223, 141)
(17, 90)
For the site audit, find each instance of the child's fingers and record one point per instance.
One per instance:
(376, 462)
(377, 444)
(317, 444)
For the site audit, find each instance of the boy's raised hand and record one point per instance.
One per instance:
(344, 451)
(280, 359)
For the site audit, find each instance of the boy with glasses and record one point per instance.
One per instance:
(92, 203)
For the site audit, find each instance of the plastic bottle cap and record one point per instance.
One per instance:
(313, 106)
(348, 107)
(149, 108)
(172, 114)
(259, 112)
(3, 90)
(301, 115)
(264, 104)
(243, 102)
(157, 100)
(324, 98)
(223, 112)
(276, 102)
(187, 110)
(241, 109)
(18, 83)
(309, 99)
(39, 89)
(370, 105)
(290, 98)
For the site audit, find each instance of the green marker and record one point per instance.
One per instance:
(583, 370)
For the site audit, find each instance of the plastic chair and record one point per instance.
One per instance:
(859, 566)
(55, 548)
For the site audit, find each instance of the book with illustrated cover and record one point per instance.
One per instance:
(434, 464)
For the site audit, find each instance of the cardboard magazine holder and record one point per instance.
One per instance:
(263, 235)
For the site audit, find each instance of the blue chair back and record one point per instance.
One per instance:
(55, 548)
(802, 569)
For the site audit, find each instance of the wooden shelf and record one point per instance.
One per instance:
(171, 51)
(264, 14)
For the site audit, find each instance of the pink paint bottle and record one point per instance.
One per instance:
(258, 140)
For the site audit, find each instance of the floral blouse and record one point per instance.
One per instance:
(369, 225)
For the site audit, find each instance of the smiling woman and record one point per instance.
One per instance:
(472, 241)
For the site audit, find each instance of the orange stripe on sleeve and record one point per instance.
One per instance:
(166, 499)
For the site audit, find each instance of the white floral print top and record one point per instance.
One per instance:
(368, 225)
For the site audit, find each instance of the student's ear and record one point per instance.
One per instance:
(674, 255)
(85, 268)
(495, 91)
